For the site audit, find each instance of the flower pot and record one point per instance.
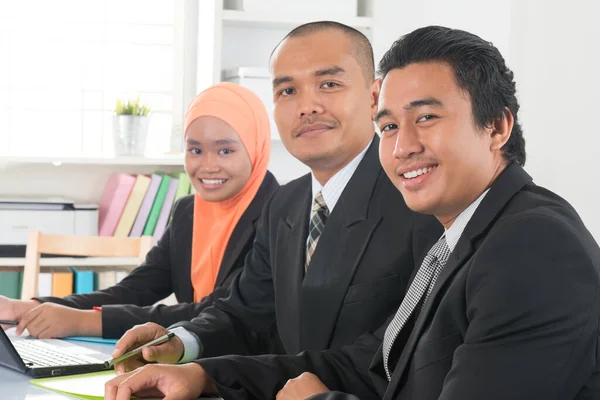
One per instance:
(129, 134)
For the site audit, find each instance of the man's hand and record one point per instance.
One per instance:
(51, 320)
(175, 382)
(302, 387)
(13, 310)
(166, 353)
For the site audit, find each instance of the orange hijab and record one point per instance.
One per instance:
(214, 222)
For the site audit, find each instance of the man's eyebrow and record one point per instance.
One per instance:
(383, 113)
(193, 142)
(428, 101)
(281, 79)
(334, 70)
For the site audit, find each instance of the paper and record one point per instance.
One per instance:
(84, 386)
(91, 339)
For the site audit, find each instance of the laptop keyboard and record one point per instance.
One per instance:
(40, 354)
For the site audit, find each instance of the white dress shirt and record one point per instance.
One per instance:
(455, 231)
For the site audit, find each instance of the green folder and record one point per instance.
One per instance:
(84, 386)
(184, 185)
(11, 282)
(157, 206)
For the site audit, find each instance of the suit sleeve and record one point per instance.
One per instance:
(130, 315)
(242, 322)
(145, 285)
(261, 377)
(532, 305)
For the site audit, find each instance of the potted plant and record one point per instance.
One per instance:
(130, 127)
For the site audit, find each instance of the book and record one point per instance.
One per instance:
(113, 201)
(165, 213)
(62, 284)
(83, 386)
(106, 279)
(120, 275)
(85, 281)
(44, 284)
(184, 185)
(133, 205)
(157, 206)
(11, 282)
(145, 208)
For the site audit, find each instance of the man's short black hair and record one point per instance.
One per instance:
(479, 69)
(363, 51)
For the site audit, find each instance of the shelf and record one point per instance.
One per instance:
(74, 262)
(175, 160)
(245, 19)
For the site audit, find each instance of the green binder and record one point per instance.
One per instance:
(157, 205)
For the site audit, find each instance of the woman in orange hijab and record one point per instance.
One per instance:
(227, 150)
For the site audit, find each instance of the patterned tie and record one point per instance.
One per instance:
(421, 286)
(320, 213)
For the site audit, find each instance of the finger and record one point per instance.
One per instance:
(44, 332)
(163, 353)
(37, 325)
(129, 365)
(26, 319)
(179, 395)
(110, 387)
(144, 378)
(135, 336)
(150, 393)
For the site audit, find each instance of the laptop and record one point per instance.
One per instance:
(42, 358)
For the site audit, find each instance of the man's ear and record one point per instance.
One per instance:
(501, 130)
(375, 89)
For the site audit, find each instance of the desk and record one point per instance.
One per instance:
(15, 385)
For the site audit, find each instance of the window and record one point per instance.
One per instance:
(63, 64)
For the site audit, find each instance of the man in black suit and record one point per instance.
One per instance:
(507, 304)
(334, 249)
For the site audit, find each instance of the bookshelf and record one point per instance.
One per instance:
(8, 262)
(168, 160)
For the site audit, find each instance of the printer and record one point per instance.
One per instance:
(18, 217)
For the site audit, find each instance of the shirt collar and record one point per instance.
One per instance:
(335, 185)
(455, 231)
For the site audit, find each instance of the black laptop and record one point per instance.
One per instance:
(42, 358)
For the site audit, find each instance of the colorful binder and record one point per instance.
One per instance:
(142, 216)
(133, 205)
(113, 201)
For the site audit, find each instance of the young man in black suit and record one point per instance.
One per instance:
(334, 249)
(507, 304)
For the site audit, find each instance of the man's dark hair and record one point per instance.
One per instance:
(479, 68)
(363, 51)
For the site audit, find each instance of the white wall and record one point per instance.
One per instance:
(553, 48)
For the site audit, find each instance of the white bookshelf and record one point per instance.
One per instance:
(174, 160)
(73, 262)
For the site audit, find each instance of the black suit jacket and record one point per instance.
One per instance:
(357, 276)
(167, 270)
(515, 312)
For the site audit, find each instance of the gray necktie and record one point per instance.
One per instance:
(320, 213)
(421, 286)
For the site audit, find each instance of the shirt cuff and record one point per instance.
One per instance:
(191, 346)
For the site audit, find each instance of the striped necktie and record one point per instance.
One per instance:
(420, 287)
(319, 216)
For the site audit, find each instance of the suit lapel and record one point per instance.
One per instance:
(338, 253)
(292, 231)
(512, 179)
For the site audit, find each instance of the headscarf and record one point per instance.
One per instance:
(214, 222)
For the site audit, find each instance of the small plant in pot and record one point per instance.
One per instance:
(130, 127)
